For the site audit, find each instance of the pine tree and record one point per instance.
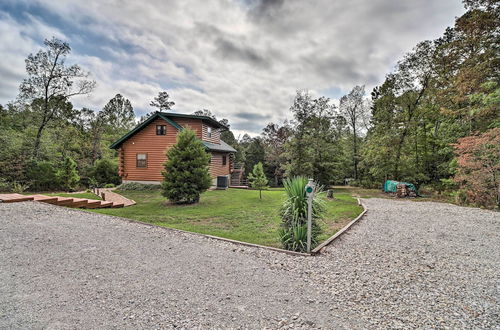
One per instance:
(257, 178)
(68, 174)
(162, 102)
(186, 170)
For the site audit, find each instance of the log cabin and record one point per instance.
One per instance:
(142, 151)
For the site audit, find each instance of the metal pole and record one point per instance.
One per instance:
(309, 217)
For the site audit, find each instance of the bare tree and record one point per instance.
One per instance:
(355, 109)
(51, 83)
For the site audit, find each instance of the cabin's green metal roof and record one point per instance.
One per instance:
(212, 121)
(170, 121)
(145, 123)
(222, 147)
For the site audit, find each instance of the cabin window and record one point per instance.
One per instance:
(209, 132)
(161, 129)
(224, 160)
(142, 160)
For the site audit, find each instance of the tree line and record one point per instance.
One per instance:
(434, 121)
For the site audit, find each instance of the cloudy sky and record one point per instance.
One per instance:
(242, 59)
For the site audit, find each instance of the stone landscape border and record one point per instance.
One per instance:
(316, 251)
(202, 235)
(323, 245)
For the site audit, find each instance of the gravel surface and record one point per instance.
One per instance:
(404, 265)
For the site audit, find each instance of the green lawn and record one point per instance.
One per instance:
(235, 213)
(88, 195)
(427, 196)
(75, 195)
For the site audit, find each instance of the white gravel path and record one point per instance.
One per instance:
(404, 265)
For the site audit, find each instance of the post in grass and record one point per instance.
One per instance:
(310, 195)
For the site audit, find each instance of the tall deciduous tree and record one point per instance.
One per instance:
(254, 153)
(313, 150)
(354, 108)
(275, 137)
(399, 107)
(119, 113)
(51, 83)
(115, 119)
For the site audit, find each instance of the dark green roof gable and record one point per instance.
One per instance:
(165, 116)
(145, 123)
(207, 119)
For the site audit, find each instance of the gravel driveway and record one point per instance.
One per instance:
(404, 265)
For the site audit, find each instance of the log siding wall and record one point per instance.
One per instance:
(155, 146)
(215, 134)
(194, 124)
(147, 142)
(216, 167)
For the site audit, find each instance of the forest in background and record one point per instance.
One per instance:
(434, 121)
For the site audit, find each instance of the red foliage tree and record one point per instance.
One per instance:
(478, 159)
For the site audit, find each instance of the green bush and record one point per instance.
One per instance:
(19, 187)
(109, 185)
(4, 185)
(67, 175)
(448, 185)
(461, 197)
(42, 175)
(186, 169)
(257, 178)
(105, 171)
(294, 215)
(294, 238)
(139, 186)
(354, 183)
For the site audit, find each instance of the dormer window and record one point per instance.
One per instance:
(161, 129)
(209, 131)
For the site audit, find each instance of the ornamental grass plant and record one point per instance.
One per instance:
(293, 231)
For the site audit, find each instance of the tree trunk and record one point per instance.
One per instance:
(417, 160)
(260, 193)
(355, 153)
(411, 111)
(398, 153)
(95, 148)
(38, 138)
